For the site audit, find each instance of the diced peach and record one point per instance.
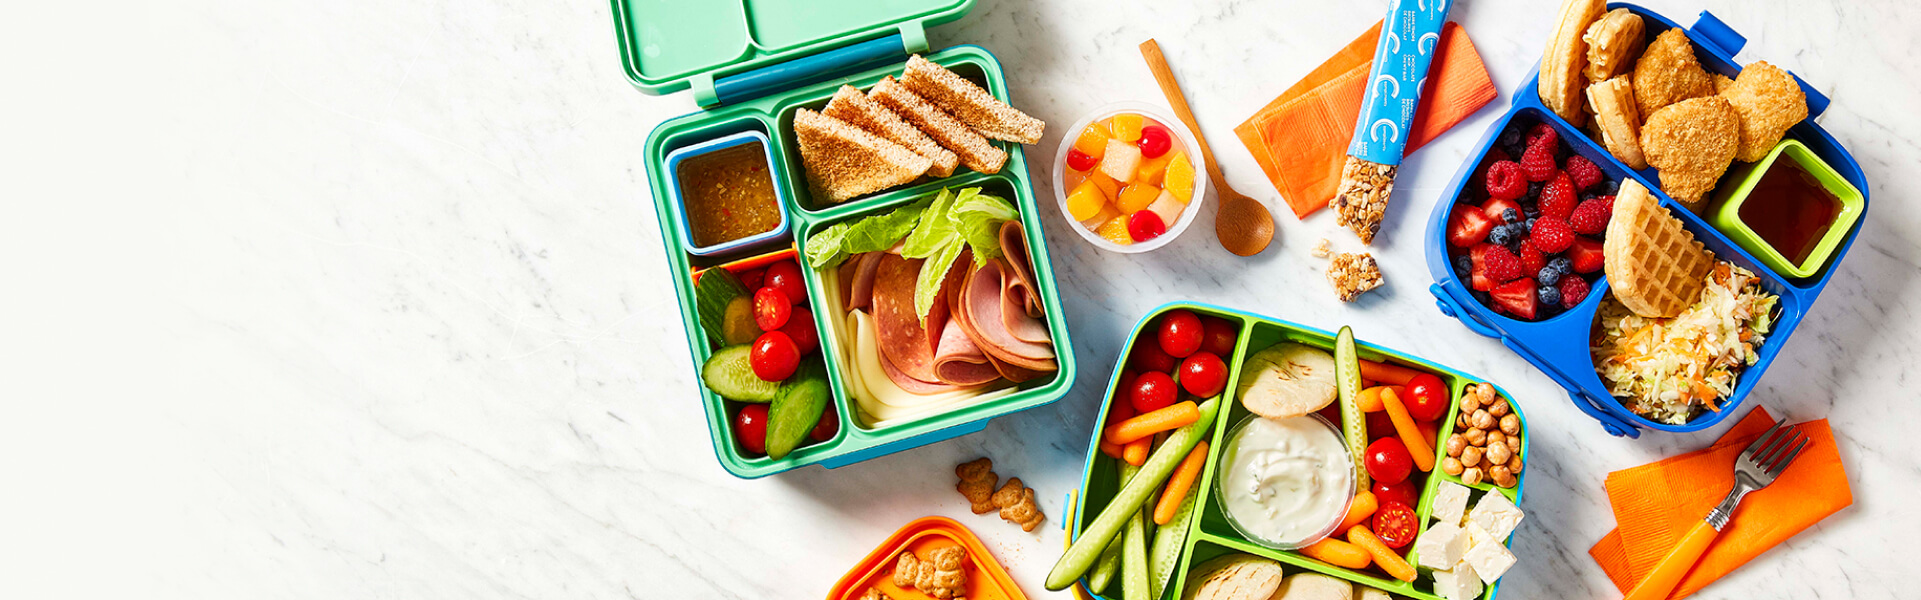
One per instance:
(1127, 127)
(1179, 178)
(1136, 197)
(1152, 169)
(1109, 188)
(1120, 160)
(1168, 208)
(1115, 230)
(1106, 214)
(1085, 201)
(1093, 140)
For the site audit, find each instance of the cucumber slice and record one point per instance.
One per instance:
(1134, 558)
(797, 408)
(737, 323)
(716, 290)
(1166, 553)
(729, 374)
(1110, 561)
(1087, 548)
(1347, 376)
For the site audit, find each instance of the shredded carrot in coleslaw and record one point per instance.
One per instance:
(1671, 370)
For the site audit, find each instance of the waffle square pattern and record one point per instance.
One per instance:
(1654, 265)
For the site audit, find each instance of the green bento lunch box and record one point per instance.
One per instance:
(1210, 534)
(751, 66)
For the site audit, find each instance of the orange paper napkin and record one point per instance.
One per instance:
(1655, 504)
(1300, 139)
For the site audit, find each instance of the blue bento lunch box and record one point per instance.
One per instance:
(1559, 345)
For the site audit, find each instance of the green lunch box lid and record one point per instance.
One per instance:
(671, 45)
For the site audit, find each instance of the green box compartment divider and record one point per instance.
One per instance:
(1210, 534)
(773, 68)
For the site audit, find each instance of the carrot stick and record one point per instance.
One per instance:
(1360, 535)
(1385, 373)
(1359, 509)
(1410, 434)
(1338, 553)
(1177, 486)
(1174, 416)
(1135, 453)
(1112, 450)
(1429, 430)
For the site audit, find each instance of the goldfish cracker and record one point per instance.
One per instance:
(1127, 128)
(1085, 201)
(1151, 169)
(1115, 230)
(1093, 140)
(1179, 178)
(1136, 197)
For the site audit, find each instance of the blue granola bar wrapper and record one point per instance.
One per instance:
(1409, 37)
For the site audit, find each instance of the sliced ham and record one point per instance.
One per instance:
(1014, 247)
(979, 313)
(913, 385)
(957, 361)
(1019, 323)
(860, 286)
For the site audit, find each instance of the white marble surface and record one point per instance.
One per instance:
(362, 300)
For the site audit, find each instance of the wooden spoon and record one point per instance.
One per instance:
(1243, 224)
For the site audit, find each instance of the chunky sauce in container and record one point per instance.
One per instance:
(728, 194)
(1288, 481)
(1790, 210)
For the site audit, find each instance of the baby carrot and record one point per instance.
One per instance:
(1359, 509)
(1174, 416)
(1338, 553)
(1410, 434)
(1371, 396)
(1386, 374)
(1178, 485)
(1360, 535)
(1135, 452)
(1111, 449)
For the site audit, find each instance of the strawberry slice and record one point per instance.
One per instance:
(1468, 226)
(1494, 207)
(1516, 297)
(1586, 255)
(1478, 271)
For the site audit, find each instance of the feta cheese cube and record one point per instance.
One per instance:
(1477, 536)
(1457, 584)
(1450, 502)
(1496, 514)
(1490, 560)
(1441, 546)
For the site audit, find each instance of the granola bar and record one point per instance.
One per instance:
(1362, 197)
(1353, 274)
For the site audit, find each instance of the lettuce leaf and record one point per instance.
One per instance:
(828, 247)
(936, 229)
(979, 218)
(824, 246)
(927, 287)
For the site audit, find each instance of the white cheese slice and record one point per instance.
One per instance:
(1459, 583)
(1490, 560)
(1450, 501)
(1441, 546)
(1496, 514)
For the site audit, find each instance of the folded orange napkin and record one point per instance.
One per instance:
(1300, 139)
(1655, 504)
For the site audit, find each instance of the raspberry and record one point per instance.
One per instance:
(1538, 163)
(1552, 235)
(1505, 181)
(1531, 258)
(1557, 199)
(1501, 266)
(1573, 291)
(1583, 172)
(1543, 135)
(1591, 217)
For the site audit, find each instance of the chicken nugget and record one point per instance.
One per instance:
(1769, 102)
(1691, 142)
(1668, 73)
(1721, 82)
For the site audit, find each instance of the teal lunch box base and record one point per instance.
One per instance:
(1559, 345)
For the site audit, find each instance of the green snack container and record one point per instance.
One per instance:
(1210, 534)
(1726, 212)
(750, 66)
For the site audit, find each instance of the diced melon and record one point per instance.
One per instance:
(1152, 169)
(1179, 178)
(1115, 230)
(1137, 197)
(1085, 201)
(1127, 128)
(1106, 214)
(1093, 140)
(1109, 188)
(1120, 160)
(1168, 208)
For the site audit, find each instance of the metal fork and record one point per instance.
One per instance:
(1757, 467)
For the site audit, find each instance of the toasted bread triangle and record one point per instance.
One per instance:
(857, 109)
(843, 162)
(970, 104)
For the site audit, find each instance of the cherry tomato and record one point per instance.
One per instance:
(1218, 335)
(1426, 397)
(1379, 425)
(1148, 356)
(785, 276)
(771, 309)
(1402, 492)
(750, 428)
(1395, 524)
(828, 426)
(1153, 391)
(1154, 141)
(1203, 374)
(1180, 333)
(800, 328)
(1388, 461)
(1144, 225)
(752, 278)
(1080, 161)
(774, 356)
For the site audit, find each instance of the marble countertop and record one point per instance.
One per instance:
(377, 297)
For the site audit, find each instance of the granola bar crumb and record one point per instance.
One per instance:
(1353, 274)
(1362, 197)
(1322, 250)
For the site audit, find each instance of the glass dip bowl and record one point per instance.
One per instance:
(1288, 467)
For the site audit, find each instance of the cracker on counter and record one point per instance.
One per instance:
(977, 481)
(1017, 505)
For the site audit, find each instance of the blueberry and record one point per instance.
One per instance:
(1534, 190)
(1560, 264)
(1531, 218)
(1549, 295)
(1549, 276)
(1499, 236)
(1511, 136)
(1610, 187)
(1510, 215)
(1463, 266)
(1481, 297)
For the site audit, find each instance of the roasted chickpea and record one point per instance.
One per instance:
(1481, 420)
(1454, 445)
(1514, 444)
(1496, 438)
(1460, 421)
(1471, 457)
(1514, 464)
(1497, 454)
(1451, 466)
(1501, 476)
(1469, 403)
(1486, 392)
(1475, 437)
(1511, 424)
(1471, 475)
(1500, 408)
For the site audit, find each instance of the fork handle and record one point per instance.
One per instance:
(1679, 561)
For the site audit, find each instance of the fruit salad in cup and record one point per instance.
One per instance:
(1128, 178)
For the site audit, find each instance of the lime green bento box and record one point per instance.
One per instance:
(751, 65)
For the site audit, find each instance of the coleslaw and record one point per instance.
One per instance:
(1671, 370)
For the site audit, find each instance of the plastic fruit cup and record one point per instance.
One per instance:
(1184, 142)
(1221, 483)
